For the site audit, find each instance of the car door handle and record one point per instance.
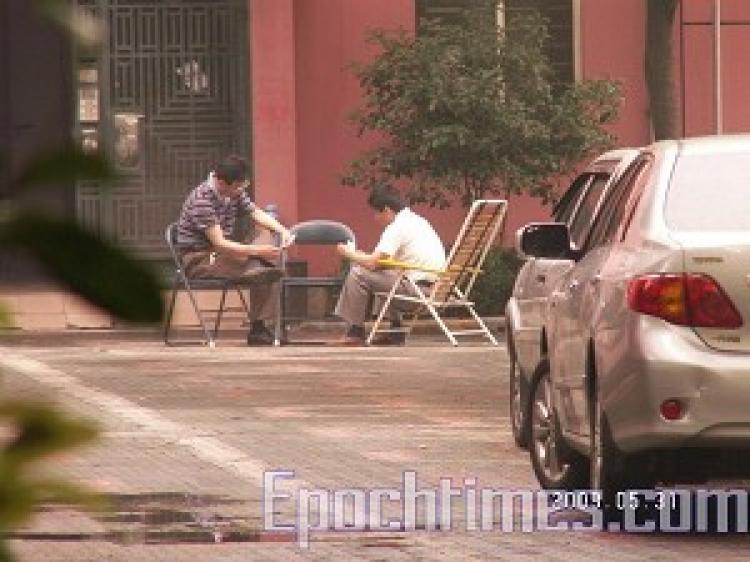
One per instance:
(541, 278)
(596, 279)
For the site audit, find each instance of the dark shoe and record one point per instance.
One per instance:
(260, 337)
(349, 341)
(389, 339)
(261, 275)
(354, 336)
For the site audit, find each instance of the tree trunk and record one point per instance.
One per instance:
(659, 67)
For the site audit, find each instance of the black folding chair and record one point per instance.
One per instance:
(317, 233)
(181, 282)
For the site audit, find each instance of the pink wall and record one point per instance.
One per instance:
(274, 108)
(613, 38)
(698, 65)
(736, 75)
(703, 10)
(329, 35)
(303, 93)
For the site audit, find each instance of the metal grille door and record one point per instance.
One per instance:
(165, 98)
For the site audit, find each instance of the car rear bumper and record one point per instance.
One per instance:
(673, 363)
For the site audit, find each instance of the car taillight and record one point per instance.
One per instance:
(686, 299)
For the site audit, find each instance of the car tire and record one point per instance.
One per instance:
(556, 465)
(607, 464)
(518, 403)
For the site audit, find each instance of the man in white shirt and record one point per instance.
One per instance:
(407, 237)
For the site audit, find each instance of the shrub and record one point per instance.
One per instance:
(495, 284)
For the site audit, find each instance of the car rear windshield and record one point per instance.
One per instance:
(710, 192)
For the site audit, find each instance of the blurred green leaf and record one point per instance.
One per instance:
(99, 271)
(5, 554)
(38, 432)
(84, 27)
(65, 166)
(16, 499)
(6, 318)
(61, 492)
(41, 431)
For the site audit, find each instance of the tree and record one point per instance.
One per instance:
(466, 110)
(659, 62)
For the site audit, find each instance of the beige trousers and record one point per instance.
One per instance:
(360, 285)
(264, 299)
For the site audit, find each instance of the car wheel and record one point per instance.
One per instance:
(555, 465)
(519, 418)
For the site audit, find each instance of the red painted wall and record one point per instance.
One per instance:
(698, 66)
(274, 107)
(330, 36)
(303, 93)
(612, 45)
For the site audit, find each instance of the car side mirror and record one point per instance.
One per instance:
(545, 240)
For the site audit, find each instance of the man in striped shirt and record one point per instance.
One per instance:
(204, 240)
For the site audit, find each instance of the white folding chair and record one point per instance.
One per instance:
(453, 285)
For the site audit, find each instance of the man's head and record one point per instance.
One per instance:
(231, 176)
(386, 200)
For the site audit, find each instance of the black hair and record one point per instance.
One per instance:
(382, 196)
(232, 169)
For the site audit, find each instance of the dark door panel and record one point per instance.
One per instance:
(165, 98)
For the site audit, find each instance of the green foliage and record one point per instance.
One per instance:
(35, 433)
(101, 272)
(495, 285)
(6, 321)
(92, 267)
(89, 265)
(467, 110)
(86, 30)
(64, 166)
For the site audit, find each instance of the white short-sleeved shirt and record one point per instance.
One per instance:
(412, 239)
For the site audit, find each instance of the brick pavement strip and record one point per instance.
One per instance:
(188, 433)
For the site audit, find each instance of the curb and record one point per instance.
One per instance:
(138, 333)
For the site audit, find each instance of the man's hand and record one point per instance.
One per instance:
(287, 239)
(264, 251)
(346, 250)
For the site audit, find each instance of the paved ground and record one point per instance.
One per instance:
(189, 432)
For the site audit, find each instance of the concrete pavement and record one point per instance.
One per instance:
(189, 432)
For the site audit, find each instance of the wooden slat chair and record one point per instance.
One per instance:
(453, 286)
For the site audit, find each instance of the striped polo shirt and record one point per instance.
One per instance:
(205, 207)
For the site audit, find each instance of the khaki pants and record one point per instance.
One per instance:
(360, 285)
(264, 299)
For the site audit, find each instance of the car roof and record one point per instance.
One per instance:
(613, 159)
(707, 144)
(617, 154)
(611, 162)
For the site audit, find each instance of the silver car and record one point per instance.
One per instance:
(525, 311)
(645, 374)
